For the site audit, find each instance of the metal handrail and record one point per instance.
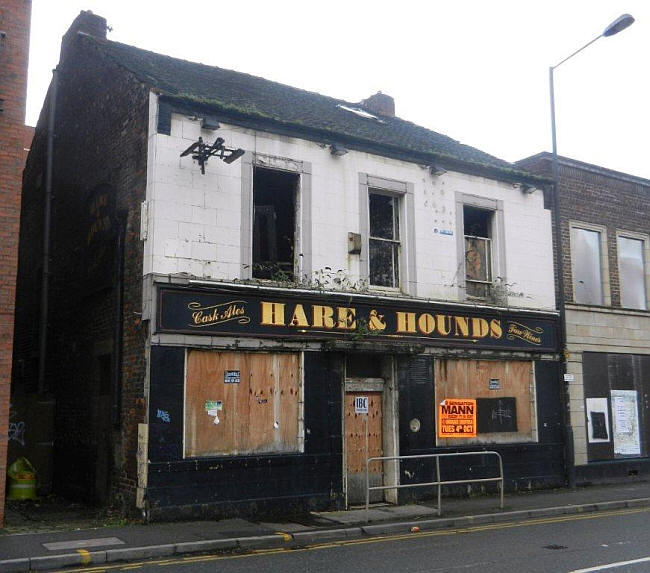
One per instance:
(438, 481)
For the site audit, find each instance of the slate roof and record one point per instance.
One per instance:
(242, 94)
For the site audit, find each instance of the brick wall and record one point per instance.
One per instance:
(592, 194)
(616, 202)
(100, 144)
(14, 47)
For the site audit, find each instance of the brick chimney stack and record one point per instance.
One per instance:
(380, 104)
(86, 22)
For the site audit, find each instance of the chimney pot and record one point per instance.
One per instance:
(85, 22)
(380, 104)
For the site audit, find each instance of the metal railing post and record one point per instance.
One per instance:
(501, 474)
(367, 491)
(439, 486)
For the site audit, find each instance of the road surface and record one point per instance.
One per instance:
(616, 542)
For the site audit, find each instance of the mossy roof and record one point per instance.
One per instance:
(259, 99)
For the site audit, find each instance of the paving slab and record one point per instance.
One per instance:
(378, 513)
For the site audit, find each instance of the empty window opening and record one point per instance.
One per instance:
(384, 243)
(477, 225)
(274, 223)
(363, 366)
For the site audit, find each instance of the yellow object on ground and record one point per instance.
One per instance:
(22, 480)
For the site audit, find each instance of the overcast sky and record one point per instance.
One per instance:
(475, 70)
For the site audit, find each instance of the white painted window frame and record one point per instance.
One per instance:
(497, 239)
(604, 260)
(404, 191)
(645, 239)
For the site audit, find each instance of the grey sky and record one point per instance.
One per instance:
(474, 70)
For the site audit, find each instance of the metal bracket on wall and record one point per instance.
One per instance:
(201, 152)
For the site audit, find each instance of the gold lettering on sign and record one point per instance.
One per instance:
(299, 317)
(495, 328)
(376, 321)
(272, 313)
(426, 323)
(406, 322)
(480, 327)
(233, 310)
(443, 322)
(525, 333)
(346, 318)
(323, 316)
(461, 324)
(315, 317)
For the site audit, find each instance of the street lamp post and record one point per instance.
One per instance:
(615, 27)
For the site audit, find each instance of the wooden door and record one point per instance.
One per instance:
(363, 439)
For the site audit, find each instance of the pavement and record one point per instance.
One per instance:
(77, 543)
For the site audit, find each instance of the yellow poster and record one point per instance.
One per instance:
(457, 418)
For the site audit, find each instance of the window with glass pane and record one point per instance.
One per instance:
(632, 273)
(478, 251)
(383, 211)
(587, 275)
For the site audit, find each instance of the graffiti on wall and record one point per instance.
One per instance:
(16, 429)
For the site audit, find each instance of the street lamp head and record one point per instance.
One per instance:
(618, 25)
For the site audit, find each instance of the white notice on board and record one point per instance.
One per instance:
(361, 404)
(625, 418)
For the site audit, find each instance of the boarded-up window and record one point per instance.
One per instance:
(502, 389)
(242, 403)
(632, 273)
(617, 407)
(587, 273)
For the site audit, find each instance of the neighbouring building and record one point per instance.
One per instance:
(14, 50)
(254, 288)
(605, 225)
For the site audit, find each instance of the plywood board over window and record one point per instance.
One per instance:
(487, 381)
(242, 403)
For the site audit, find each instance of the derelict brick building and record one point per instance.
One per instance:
(241, 268)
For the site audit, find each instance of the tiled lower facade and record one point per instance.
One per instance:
(608, 360)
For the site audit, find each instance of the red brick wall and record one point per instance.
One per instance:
(14, 49)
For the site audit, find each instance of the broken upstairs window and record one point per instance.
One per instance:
(274, 223)
(477, 224)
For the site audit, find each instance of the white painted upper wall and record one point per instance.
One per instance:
(193, 221)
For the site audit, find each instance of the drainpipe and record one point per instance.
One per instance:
(45, 279)
(117, 327)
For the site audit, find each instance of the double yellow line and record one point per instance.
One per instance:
(362, 541)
